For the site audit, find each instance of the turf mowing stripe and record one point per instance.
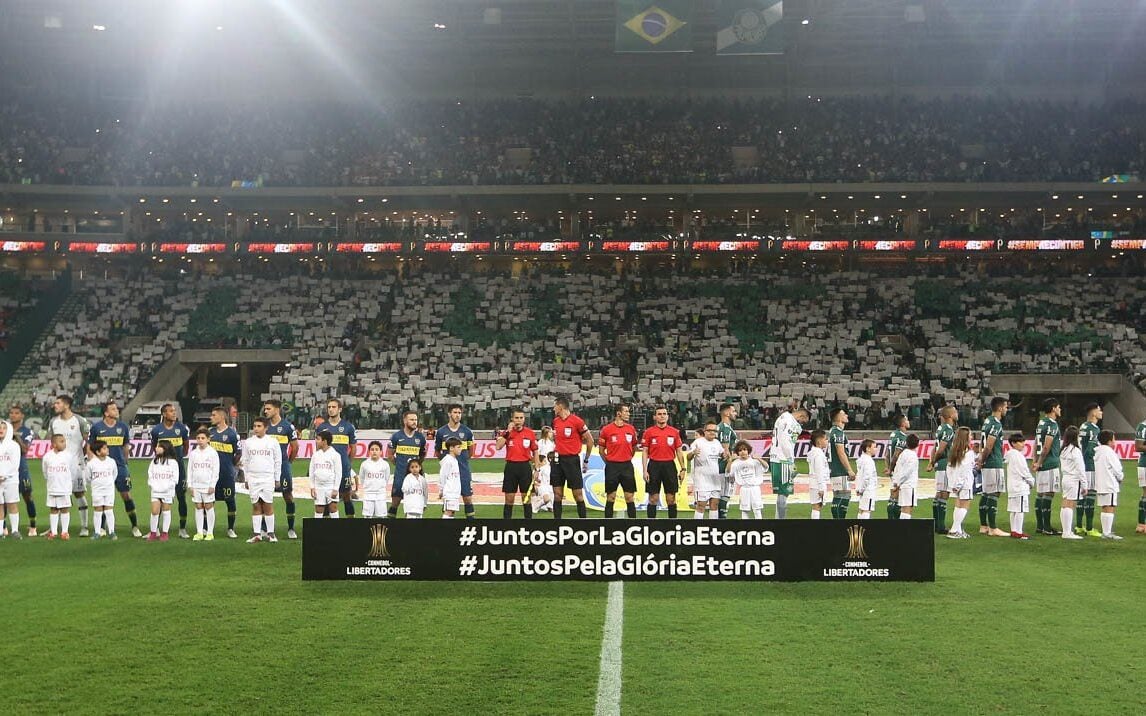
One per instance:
(609, 678)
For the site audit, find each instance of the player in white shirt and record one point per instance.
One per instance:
(1107, 481)
(374, 482)
(867, 479)
(10, 477)
(705, 455)
(748, 472)
(450, 479)
(819, 472)
(162, 476)
(960, 479)
(59, 470)
(262, 465)
(541, 498)
(785, 432)
(1074, 481)
(102, 471)
(325, 476)
(415, 490)
(905, 477)
(202, 476)
(75, 429)
(1019, 484)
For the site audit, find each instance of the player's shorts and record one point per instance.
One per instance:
(103, 496)
(1090, 484)
(941, 484)
(1018, 503)
(452, 504)
(816, 495)
(59, 502)
(262, 493)
(1073, 489)
(467, 481)
(750, 498)
(663, 474)
(622, 474)
(1108, 499)
(907, 497)
(164, 497)
(516, 477)
(375, 506)
(203, 497)
(839, 483)
(123, 480)
(867, 502)
(285, 483)
(322, 494)
(994, 480)
(706, 492)
(225, 488)
(783, 478)
(1048, 480)
(1142, 477)
(567, 473)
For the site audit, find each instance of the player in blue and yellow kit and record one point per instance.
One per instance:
(225, 441)
(114, 433)
(177, 436)
(342, 433)
(23, 434)
(285, 434)
(455, 429)
(406, 444)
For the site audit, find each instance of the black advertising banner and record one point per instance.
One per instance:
(631, 550)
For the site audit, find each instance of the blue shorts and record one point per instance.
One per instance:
(467, 484)
(123, 480)
(286, 482)
(225, 488)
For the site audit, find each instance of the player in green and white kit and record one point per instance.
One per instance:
(840, 468)
(1140, 445)
(1088, 438)
(944, 436)
(990, 461)
(896, 442)
(727, 437)
(782, 460)
(1048, 443)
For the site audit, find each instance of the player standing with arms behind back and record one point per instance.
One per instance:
(286, 435)
(1048, 443)
(1088, 439)
(727, 437)
(454, 428)
(570, 433)
(785, 432)
(841, 467)
(225, 442)
(343, 434)
(991, 462)
(406, 444)
(896, 442)
(944, 436)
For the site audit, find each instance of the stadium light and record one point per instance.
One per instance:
(99, 28)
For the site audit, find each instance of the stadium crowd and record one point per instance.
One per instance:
(595, 140)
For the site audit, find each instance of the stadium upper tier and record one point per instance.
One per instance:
(498, 340)
(595, 141)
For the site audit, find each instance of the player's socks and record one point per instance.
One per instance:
(65, 521)
(984, 500)
(348, 507)
(1088, 510)
(469, 508)
(651, 512)
(506, 512)
(1066, 514)
(939, 512)
(82, 504)
(232, 508)
(154, 524)
(993, 512)
(129, 508)
(1039, 513)
(630, 510)
(165, 522)
(1107, 519)
(13, 522)
(269, 521)
(1079, 513)
(54, 523)
(257, 524)
(723, 511)
(1142, 511)
(392, 511)
(672, 512)
(582, 509)
(815, 514)
(31, 505)
(200, 517)
(527, 508)
(892, 510)
(210, 521)
(557, 509)
(781, 507)
(290, 510)
(1016, 523)
(109, 521)
(181, 501)
(608, 508)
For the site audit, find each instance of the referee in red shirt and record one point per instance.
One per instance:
(618, 442)
(520, 464)
(662, 460)
(569, 433)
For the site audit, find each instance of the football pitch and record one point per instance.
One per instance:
(1008, 627)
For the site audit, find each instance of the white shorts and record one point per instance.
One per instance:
(1018, 503)
(165, 497)
(994, 480)
(262, 494)
(1108, 499)
(816, 495)
(750, 498)
(941, 481)
(965, 494)
(452, 504)
(1048, 480)
(1073, 489)
(103, 496)
(374, 506)
(322, 495)
(59, 502)
(1142, 477)
(867, 502)
(203, 496)
(839, 483)
(10, 490)
(707, 494)
(908, 497)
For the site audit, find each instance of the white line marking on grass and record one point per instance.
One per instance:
(609, 678)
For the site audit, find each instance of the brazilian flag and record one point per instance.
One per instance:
(654, 25)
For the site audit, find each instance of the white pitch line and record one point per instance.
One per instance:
(609, 678)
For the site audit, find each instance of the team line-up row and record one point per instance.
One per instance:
(1079, 461)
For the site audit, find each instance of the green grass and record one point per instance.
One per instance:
(1008, 627)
